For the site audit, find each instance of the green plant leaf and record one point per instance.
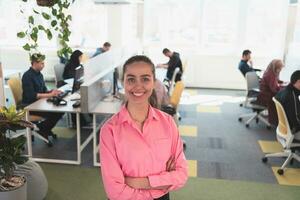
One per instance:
(30, 20)
(35, 30)
(21, 34)
(26, 47)
(36, 12)
(34, 36)
(54, 11)
(41, 27)
(53, 23)
(49, 34)
(69, 17)
(45, 15)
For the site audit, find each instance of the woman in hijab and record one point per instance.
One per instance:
(73, 63)
(269, 86)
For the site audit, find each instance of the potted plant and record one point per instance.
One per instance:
(11, 186)
(58, 21)
(47, 3)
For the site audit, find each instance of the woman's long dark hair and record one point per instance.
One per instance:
(145, 59)
(74, 59)
(72, 64)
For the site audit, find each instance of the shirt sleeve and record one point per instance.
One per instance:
(273, 83)
(112, 175)
(28, 89)
(178, 177)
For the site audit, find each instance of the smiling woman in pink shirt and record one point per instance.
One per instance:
(141, 151)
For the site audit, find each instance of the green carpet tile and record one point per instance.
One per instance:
(80, 183)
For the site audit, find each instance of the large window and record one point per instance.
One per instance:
(218, 27)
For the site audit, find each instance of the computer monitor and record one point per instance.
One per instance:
(115, 81)
(78, 78)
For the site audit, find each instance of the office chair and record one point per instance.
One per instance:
(172, 108)
(58, 72)
(250, 102)
(15, 85)
(172, 81)
(285, 138)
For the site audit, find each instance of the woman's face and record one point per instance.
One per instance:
(80, 58)
(138, 82)
(279, 66)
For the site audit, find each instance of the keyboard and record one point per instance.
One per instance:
(63, 94)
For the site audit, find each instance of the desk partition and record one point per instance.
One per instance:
(98, 75)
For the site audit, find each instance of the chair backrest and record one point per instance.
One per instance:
(58, 71)
(176, 71)
(283, 124)
(15, 85)
(283, 128)
(252, 81)
(176, 94)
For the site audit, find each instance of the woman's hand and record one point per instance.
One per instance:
(171, 164)
(137, 183)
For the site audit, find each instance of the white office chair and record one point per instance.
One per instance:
(172, 82)
(250, 102)
(58, 72)
(285, 138)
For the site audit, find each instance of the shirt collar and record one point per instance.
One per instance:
(35, 72)
(125, 116)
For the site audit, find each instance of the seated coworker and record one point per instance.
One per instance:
(73, 63)
(34, 88)
(246, 64)
(69, 72)
(106, 46)
(269, 86)
(173, 63)
(289, 98)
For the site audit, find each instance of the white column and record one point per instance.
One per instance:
(114, 24)
(2, 96)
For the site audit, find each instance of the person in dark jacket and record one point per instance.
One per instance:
(289, 99)
(173, 63)
(34, 88)
(73, 63)
(269, 86)
(246, 64)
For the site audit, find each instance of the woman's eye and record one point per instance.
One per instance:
(131, 80)
(146, 79)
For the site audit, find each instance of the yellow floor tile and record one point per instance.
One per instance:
(188, 131)
(191, 92)
(291, 176)
(192, 168)
(63, 132)
(270, 146)
(208, 109)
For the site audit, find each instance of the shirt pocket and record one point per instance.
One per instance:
(162, 149)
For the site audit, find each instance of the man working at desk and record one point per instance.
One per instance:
(106, 46)
(34, 88)
(289, 98)
(173, 63)
(246, 64)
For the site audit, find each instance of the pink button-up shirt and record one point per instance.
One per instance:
(125, 151)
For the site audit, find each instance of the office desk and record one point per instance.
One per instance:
(43, 106)
(103, 107)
